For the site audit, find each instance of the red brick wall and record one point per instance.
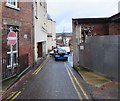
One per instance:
(0, 39)
(24, 15)
(114, 28)
(114, 24)
(98, 28)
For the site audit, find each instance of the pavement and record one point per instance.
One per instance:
(101, 87)
(9, 85)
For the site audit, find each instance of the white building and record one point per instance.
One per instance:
(40, 28)
(51, 37)
(119, 6)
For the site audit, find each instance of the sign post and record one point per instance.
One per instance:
(12, 39)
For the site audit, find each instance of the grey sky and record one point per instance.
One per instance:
(62, 11)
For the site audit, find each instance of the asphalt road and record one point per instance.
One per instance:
(53, 80)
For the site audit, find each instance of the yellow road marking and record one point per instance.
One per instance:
(78, 93)
(15, 96)
(78, 83)
(39, 68)
(13, 93)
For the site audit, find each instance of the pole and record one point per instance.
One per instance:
(12, 58)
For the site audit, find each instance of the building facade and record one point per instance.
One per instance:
(40, 29)
(84, 27)
(64, 39)
(119, 6)
(96, 44)
(16, 17)
(51, 37)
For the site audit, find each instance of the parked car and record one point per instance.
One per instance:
(51, 52)
(61, 54)
(67, 48)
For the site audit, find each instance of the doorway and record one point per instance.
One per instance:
(39, 47)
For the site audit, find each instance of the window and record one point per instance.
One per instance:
(12, 51)
(12, 4)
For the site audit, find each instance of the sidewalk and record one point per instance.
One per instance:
(100, 86)
(9, 85)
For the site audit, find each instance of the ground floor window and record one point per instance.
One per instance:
(12, 50)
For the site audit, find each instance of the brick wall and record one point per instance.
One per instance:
(23, 19)
(99, 28)
(0, 43)
(114, 28)
(114, 24)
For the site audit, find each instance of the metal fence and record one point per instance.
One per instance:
(101, 54)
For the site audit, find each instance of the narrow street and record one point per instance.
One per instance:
(53, 80)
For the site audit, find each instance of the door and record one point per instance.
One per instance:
(39, 49)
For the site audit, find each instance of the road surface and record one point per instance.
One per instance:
(53, 80)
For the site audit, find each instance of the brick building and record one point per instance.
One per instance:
(64, 39)
(17, 17)
(114, 24)
(98, 26)
(96, 44)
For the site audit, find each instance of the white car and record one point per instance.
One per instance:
(67, 48)
(51, 52)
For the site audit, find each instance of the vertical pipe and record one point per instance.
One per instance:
(11, 46)
(32, 34)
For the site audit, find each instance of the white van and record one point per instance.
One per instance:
(67, 48)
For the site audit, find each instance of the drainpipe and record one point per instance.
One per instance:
(32, 36)
(0, 47)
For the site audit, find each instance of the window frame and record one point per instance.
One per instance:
(12, 4)
(9, 66)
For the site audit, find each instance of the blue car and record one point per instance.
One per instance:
(61, 55)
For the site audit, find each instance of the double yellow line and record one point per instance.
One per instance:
(73, 78)
(14, 95)
(39, 68)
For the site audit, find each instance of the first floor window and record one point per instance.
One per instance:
(13, 3)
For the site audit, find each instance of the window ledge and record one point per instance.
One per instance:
(14, 65)
(12, 6)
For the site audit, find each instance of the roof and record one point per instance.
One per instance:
(67, 34)
(83, 20)
(115, 17)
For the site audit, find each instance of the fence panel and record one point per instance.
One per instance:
(101, 54)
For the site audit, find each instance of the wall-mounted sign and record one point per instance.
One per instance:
(81, 47)
(12, 38)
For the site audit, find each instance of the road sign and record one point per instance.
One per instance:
(12, 38)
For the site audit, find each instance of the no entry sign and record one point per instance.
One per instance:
(12, 38)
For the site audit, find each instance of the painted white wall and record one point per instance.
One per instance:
(49, 45)
(40, 25)
(51, 32)
(118, 6)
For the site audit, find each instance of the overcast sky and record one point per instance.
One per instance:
(62, 11)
